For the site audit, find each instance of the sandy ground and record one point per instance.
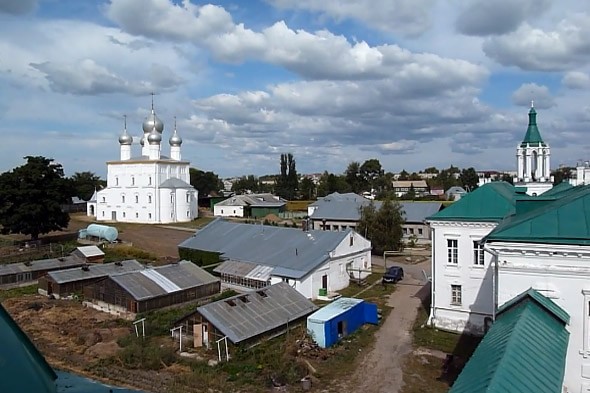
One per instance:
(381, 369)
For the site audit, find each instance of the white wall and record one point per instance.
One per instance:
(562, 273)
(475, 280)
(228, 211)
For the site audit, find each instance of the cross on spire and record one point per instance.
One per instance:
(174, 123)
(125, 121)
(152, 94)
(532, 103)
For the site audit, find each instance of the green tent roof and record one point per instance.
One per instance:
(22, 367)
(524, 350)
(490, 202)
(563, 220)
(532, 136)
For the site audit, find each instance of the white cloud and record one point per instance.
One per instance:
(17, 7)
(576, 80)
(406, 17)
(532, 92)
(530, 48)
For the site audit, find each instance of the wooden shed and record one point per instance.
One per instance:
(149, 289)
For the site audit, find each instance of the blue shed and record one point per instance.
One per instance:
(339, 319)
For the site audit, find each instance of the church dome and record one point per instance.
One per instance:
(151, 122)
(125, 138)
(175, 139)
(154, 137)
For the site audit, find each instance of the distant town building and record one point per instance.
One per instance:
(455, 193)
(249, 205)
(150, 188)
(401, 187)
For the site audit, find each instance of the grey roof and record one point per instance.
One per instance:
(289, 250)
(94, 271)
(175, 182)
(41, 265)
(455, 190)
(259, 314)
(254, 200)
(90, 251)
(162, 280)
(93, 197)
(245, 269)
(349, 209)
(337, 197)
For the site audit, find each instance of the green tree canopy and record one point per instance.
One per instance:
(330, 183)
(205, 182)
(403, 175)
(288, 181)
(469, 179)
(354, 177)
(561, 174)
(245, 184)
(307, 189)
(383, 226)
(31, 196)
(85, 183)
(371, 171)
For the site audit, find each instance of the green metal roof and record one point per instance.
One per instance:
(559, 189)
(490, 202)
(22, 367)
(562, 220)
(524, 350)
(532, 136)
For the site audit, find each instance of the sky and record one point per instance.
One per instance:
(413, 83)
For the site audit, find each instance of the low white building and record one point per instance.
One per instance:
(249, 205)
(150, 188)
(316, 263)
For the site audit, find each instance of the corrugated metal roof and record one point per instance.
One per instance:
(259, 314)
(94, 271)
(334, 309)
(235, 268)
(161, 280)
(490, 202)
(41, 265)
(290, 248)
(524, 350)
(23, 368)
(254, 200)
(260, 273)
(563, 220)
(90, 251)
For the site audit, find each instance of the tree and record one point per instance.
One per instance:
(410, 195)
(330, 183)
(354, 178)
(85, 183)
(469, 179)
(31, 196)
(431, 169)
(205, 182)
(287, 182)
(561, 174)
(403, 175)
(415, 176)
(507, 178)
(370, 171)
(307, 188)
(383, 226)
(246, 184)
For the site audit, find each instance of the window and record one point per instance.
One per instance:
(478, 254)
(137, 199)
(412, 231)
(116, 181)
(453, 251)
(103, 214)
(351, 241)
(171, 198)
(188, 197)
(419, 231)
(150, 181)
(456, 295)
(150, 216)
(123, 214)
(149, 199)
(104, 199)
(136, 215)
(122, 198)
(132, 180)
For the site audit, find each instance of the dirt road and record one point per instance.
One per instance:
(381, 369)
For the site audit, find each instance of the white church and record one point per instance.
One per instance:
(500, 241)
(150, 188)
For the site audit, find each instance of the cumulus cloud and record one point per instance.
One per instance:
(406, 17)
(534, 49)
(17, 7)
(484, 17)
(576, 80)
(532, 92)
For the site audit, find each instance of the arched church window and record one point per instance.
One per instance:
(132, 180)
(137, 199)
(116, 181)
(150, 181)
(122, 198)
(149, 199)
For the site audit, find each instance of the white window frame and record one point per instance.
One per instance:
(585, 352)
(478, 254)
(453, 252)
(456, 294)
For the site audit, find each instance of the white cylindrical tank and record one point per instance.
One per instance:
(103, 232)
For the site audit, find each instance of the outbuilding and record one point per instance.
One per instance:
(340, 318)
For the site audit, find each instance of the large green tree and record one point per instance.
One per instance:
(469, 179)
(307, 189)
(354, 177)
(245, 184)
(371, 171)
(288, 181)
(85, 183)
(330, 183)
(205, 182)
(31, 196)
(561, 174)
(383, 226)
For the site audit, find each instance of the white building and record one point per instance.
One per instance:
(249, 205)
(150, 188)
(533, 160)
(255, 256)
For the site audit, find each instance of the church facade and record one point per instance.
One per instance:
(149, 188)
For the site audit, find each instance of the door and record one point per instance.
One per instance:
(114, 215)
(341, 329)
(325, 281)
(205, 335)
(198, 335)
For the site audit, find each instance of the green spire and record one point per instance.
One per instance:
(533, 136)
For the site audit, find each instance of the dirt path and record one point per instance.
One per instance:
(381, 369)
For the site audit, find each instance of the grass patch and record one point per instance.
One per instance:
(422, 373)
(297, 206)
(18, 292)
(123, 252)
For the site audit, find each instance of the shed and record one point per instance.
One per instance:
(126, 294)
(247, 318)
(69, 281)
(27, 273)
(91, 254)
(339, 319)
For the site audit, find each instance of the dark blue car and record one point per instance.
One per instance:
(393, 275)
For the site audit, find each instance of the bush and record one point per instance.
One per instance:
(199, 257)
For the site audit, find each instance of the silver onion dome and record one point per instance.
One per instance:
(175, 139)
(125, 138)
(152, 121)
(154, 137)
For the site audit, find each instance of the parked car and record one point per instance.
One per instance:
(393, 275)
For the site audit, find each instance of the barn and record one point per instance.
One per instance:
(126, 294)
(247, 318)
(71, 281)
(339, 319)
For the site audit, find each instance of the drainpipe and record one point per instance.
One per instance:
(432, 275)
(495, 255)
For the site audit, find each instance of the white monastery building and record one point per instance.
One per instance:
(150, 188)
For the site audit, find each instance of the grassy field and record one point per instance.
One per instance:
(17, 292)
(294, 206)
